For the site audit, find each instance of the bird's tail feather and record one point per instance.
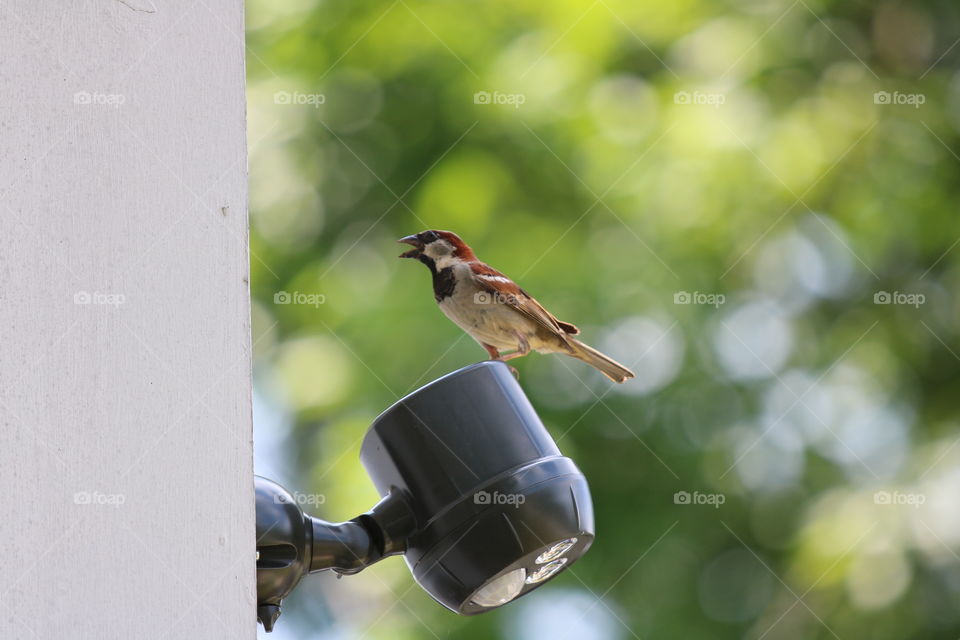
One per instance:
(605, 364)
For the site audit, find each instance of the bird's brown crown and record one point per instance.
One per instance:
(460, 248)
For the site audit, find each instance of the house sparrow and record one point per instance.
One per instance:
(494, 310)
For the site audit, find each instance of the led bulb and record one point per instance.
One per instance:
(501, 590)
(556, 550)
(546, 571)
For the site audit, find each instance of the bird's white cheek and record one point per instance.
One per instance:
(442, 262)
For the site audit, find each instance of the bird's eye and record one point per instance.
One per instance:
(430, 236)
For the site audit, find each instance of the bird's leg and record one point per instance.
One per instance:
(494, 353)
(523, 348)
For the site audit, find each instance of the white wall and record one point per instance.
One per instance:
(126, 505)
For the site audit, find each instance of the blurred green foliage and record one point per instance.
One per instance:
(753, 203)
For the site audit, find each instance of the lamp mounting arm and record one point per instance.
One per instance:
(291, 543)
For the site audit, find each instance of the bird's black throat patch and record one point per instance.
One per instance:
(443, 283)
(427, 260)
(443, 280)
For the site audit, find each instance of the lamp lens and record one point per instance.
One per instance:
(546, 571)
(556, 551)
(501, 590)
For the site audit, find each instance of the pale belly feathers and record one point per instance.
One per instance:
(475, 311)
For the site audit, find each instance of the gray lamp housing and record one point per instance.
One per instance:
(475, 495)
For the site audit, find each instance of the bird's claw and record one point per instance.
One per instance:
(513, 370)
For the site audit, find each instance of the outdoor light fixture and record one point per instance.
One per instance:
(476, 496)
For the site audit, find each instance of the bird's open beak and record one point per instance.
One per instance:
(415, 243)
